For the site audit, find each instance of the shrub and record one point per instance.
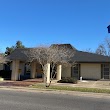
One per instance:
(68, 80)
(5, 74)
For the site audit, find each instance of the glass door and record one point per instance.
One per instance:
(106, 71)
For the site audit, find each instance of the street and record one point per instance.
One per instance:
(23, 100)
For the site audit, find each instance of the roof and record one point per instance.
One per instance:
(79, 56)
(86, 57)
(67, 46)
(20, 54)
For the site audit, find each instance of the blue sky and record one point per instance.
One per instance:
(83, 23)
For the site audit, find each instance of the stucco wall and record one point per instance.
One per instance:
(10, 66)
(90, 71)
(21, 67)
(66, 71)
(39, 68)
(1, 66)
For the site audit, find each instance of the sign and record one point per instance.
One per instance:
(108, 29)
(19, 71)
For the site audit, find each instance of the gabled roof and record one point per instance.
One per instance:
(79, 56)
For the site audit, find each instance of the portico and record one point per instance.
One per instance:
(18, 69)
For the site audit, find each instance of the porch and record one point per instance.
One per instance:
(33, 70)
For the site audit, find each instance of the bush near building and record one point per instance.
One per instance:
(68, 80)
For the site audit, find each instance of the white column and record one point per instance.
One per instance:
(33, 69)
(22, 67)
(15, 70)
(48, 73)
(59, 70)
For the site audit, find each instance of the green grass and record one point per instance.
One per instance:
(67, 88)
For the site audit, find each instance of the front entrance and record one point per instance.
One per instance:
(105, 71)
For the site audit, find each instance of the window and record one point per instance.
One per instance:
(76, 71)
(105, 70)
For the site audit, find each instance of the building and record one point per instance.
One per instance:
(88, 65)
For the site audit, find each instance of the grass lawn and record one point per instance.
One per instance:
(68, 88)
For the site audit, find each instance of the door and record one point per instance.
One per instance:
(106, 71)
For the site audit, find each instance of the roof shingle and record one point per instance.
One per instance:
(79, 56)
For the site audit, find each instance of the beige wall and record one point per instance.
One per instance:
(90, 70)
(1, 66)
(10, 66)
(39, 68)
(66, 71)
(21, 67)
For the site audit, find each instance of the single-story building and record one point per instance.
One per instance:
(88, 65)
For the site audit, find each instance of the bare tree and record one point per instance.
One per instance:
(54, 55)
(107, 45)
(89, 50)
(104, 48)
(101, 50)
(60, 55)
